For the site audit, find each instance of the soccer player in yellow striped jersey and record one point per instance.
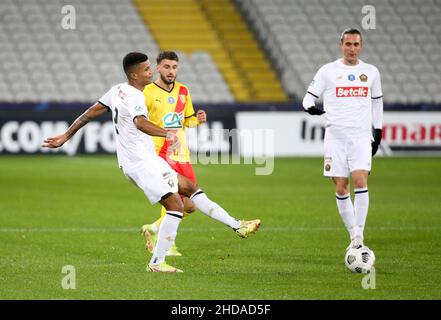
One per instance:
(169, 106)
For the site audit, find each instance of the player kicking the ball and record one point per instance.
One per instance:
(352, 99)
(139, 162)
(169, 106)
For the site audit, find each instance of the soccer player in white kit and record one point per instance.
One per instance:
(138, 160)
(352, 101)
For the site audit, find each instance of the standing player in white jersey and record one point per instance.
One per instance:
(352, 100)
(138, 160)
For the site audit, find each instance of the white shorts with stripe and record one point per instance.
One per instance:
(345, 154)
(154, 177)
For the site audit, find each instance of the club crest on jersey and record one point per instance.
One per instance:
(363, 78)
(122, 94)
(171, 100)
(182, 97)
(351, 77)
(328, 163)
(173, 120)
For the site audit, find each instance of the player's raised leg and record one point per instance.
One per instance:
(214, 210)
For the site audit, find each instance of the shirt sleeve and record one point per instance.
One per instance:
(318, 84)
(136, 105)
(315, 89)
(376, 91)
(377, 102)
(106, 99)
(190, 119)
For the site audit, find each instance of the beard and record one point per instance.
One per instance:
(166, 80)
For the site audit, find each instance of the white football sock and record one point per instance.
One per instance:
(213, 210)
(346, 210)
(361, 206)
(166, 236)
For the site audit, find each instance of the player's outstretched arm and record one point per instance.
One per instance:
(94, 111)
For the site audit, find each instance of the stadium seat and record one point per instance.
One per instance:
(87, 59)
(405, 30)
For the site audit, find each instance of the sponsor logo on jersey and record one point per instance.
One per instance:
(171, 100)
(138, 108)
(351, 77)
(312, 83)
(173, 120)
(343, 92)
(182, 97)
(363, 78)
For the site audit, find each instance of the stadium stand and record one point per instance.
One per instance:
(215, 26)
(244, 51)
(301, 35)
(41, 61)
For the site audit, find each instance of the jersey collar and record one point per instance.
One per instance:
(165, 89)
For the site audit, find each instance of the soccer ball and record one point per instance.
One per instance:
(360, 260)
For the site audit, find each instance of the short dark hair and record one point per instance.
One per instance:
(132, 59)
(169, 55)
(349, 31)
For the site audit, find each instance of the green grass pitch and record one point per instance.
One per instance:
(81, 211)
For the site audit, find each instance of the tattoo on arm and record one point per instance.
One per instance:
(84, 119)
(80, 122)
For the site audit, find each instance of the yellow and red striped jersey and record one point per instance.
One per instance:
(171, 110)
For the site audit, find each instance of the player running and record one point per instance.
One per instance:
(139, 162)
(352, 100)
(169, 106)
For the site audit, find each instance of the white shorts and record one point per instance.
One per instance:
(154, 177)
(344, 155)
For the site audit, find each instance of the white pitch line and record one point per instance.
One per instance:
(202, 230)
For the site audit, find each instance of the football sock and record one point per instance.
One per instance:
(213, 210)
(166, 236)
(346, 210)
(361, 206)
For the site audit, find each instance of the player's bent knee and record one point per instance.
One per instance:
(189, 208)
(186, 186)
(172, 202)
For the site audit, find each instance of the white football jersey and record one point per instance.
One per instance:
(347, 95)
(126, 102)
